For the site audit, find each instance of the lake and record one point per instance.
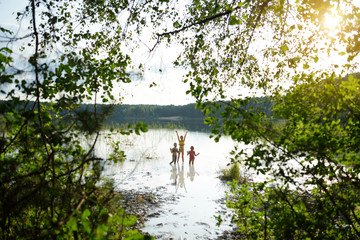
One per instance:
(197, 190)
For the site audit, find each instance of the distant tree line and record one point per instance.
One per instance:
(151, 112)
(181, 116)
(154, 111)
(121, 113)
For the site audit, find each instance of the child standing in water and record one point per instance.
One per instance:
(174, 152)
(181, 145)
(192, 155)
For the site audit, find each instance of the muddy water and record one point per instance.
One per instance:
(194, 193)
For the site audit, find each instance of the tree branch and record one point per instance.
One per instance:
(203, 21)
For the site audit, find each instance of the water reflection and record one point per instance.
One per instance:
(177, 176)
(174, 174)
(192, 172)
(190, 124)
(181, 182)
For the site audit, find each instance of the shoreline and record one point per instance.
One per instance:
(145, 205)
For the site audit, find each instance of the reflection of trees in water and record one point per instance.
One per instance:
(145, 145)
(194, 124)
(191, 124)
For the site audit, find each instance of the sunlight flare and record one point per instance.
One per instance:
(332, 22)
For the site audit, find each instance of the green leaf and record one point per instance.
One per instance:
(284, 48)
(72, 224)
(85, 222)
(316, 59)
(177, 24)
(234, 20)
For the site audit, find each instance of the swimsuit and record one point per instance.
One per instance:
(181, 145)
(192, 155)
(174, 154)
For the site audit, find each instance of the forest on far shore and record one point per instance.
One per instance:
(178, 114)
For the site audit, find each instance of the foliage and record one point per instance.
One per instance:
(283, 49)
(233, 173)
(49, 181)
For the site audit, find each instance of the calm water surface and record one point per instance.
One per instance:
(196, 189)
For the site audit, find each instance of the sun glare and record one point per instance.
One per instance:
(332, 22)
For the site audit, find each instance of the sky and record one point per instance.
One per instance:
(168, 89)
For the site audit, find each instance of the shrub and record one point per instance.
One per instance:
(233, 173)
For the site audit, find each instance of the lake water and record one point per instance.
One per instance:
(196, 189)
